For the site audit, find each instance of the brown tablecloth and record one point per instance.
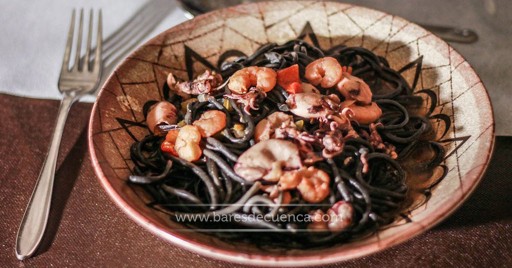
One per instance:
(86, 229)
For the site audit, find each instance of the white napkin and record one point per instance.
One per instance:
(34, 35)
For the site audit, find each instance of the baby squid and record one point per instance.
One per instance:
(354, 88)
(161, 113)
(262, 78)
(311, 105)
(202, 84)
(265, 129)
(325, 72)
(363, 114)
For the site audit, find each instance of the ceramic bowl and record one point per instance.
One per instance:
(187, 49)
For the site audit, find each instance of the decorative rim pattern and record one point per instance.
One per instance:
(117, 117)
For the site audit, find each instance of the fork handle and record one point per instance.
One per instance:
(35, 219)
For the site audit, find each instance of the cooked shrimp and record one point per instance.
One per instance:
(325, 72)
(161, 113)
(314, 186)
(289, 180)
(263, 130)
(340, 216)
(354, 88)
(274, 192)
(210, 123)
(170, 141)
(262, 78)
(187, 143)
(363, 114)
(318, 221)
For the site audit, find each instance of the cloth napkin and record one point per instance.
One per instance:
(34, 36)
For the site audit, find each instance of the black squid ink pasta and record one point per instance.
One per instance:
(297, 146)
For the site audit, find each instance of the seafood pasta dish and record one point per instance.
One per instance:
(290, 147)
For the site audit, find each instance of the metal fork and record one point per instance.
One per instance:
(81, 79)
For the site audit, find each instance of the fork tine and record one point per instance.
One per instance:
(89, 40)
(99, 44)
(69, 43)
(79, 42)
